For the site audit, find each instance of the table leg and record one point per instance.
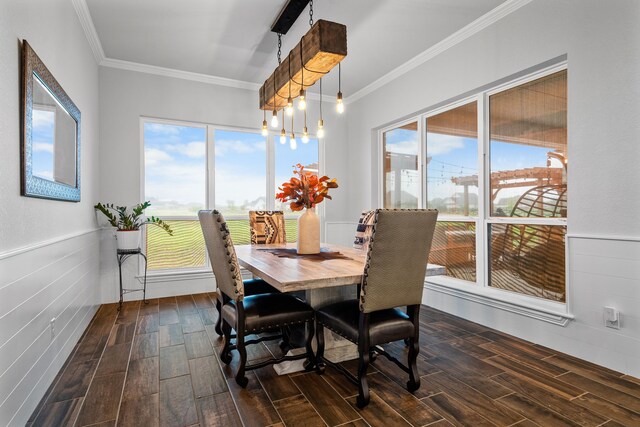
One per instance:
(337, 349)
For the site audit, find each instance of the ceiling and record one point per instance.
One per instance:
(232, 39)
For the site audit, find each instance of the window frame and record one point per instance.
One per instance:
(210, 184)
(480, 291)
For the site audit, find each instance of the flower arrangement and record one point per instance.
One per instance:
(305, 191)
(126, 220)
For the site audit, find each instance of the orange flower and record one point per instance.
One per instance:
(307, 190)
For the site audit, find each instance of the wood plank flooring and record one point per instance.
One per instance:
(158, 365)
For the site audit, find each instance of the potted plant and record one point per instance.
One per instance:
(305, 192)
(128, 222)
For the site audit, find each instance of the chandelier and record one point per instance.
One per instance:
(317, 53)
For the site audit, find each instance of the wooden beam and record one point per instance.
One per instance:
(323, 47)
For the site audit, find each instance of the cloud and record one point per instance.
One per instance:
(226, 146)
(172, 181)
(42, 119)
(161, 129)
(438, 144)
(153, 156)
(44, 147)
(195, 149)
(403, 147)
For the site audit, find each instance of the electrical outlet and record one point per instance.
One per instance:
(611, 318)
(52, 325)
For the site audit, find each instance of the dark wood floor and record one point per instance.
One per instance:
(157, 364)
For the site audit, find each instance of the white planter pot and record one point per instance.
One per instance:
(309, 232)
(128, 239)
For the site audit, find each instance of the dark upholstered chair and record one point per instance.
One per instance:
(393, 277)
(267, 227)
(249, 314)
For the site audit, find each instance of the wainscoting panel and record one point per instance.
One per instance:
(56, 279)
(602, 271)
(340, 232)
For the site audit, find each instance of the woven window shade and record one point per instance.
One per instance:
(534, 113)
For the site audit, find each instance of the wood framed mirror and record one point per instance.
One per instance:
(50, 143)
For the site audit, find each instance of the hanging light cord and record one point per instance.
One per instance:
(321, 98)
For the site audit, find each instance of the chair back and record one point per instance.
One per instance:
(267, 227)
(397, 258)
(222, 254)
(363, 231)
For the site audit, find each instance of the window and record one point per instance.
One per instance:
(175, 159)
(501, 194)
(189, 167)
(528, 187)
(401, 153)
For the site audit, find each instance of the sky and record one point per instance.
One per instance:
(42, 134)
(175, 167)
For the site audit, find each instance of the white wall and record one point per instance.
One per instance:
(125, 96)
(48, 249)
(601, 41)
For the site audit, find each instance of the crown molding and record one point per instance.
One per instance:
(474, 27)
(464, 33)
(179, 74)
(82, 10)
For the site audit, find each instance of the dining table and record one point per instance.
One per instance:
(320, 279)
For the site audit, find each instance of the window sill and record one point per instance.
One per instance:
(178, 275)
(535, 308)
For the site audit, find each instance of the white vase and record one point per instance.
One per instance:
(128, 239)
(309, 232)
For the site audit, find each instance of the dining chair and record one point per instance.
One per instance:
(363, 230)
(249, 314)
(393, 277)
(265, 227)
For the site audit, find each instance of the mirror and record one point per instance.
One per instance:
(51, 128)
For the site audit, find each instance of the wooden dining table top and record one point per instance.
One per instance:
(297, 273)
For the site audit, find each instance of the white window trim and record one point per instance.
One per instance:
(538, 308)
(205, 271)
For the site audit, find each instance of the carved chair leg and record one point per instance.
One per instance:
(310, 363)
(363, 386)
(364, 353)
(284, 344)
(320, 365)
(225, 353)
(414, 348)
(218, 327)
(241, 379)
(414, 377)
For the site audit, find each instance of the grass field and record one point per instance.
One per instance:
(186, 248)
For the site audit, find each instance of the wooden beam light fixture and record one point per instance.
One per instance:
(319, 50)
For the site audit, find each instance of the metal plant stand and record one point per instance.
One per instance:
(123, 255)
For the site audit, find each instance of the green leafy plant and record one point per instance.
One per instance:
(124, 219)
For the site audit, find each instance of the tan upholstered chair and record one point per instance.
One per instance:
(248, 314)
(393, 277)
(267, 227)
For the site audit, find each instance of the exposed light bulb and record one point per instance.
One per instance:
(320, 132)
(302, 102)
(265, 130)
(289, 107)
(283, 136)
(292, 141)
(274, 120)
(305, 135)
(339, 103)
